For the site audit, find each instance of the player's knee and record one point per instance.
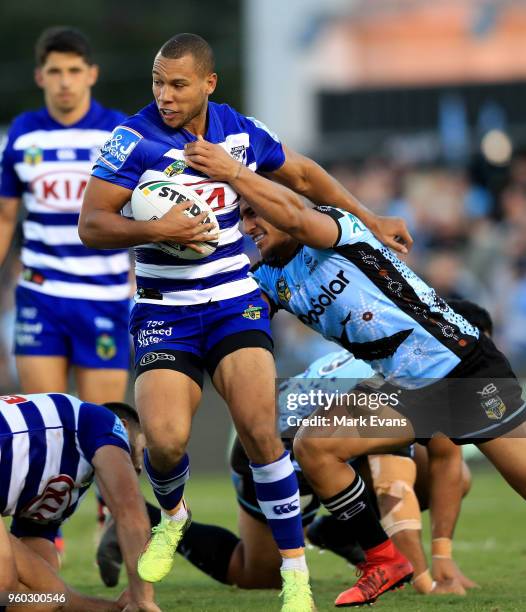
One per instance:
(168, 455)
(393, 481)
(313, 451)
(261, 443)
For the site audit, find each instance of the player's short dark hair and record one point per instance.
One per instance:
(62, 39)
(190, 44)
(123, 411)
(474, 314)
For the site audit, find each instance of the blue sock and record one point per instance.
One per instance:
(169, 486)
(279, 498)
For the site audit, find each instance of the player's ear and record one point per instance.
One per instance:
(38, 77)
(93, 74)
(126, 424)
(211, 82)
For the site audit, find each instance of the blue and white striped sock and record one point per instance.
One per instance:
(279, 499)
(168, 486)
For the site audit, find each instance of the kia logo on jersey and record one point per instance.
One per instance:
(52, 502)
(61, 190)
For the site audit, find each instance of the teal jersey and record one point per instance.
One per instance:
(360, 295)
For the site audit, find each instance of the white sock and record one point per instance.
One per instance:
(180, 515)
(294, 563)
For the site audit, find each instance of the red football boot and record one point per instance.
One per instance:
(385, 569)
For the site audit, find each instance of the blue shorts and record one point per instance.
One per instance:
(190, 339)
(90, 333)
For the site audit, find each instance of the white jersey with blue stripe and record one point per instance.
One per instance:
(143, 149)
(325, 375)
(360, 295)
(48, 165)
(47, 444)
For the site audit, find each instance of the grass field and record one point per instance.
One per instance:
(490, 547)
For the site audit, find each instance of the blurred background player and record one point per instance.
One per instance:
(72, 302)
(207, 314)
(52, 446)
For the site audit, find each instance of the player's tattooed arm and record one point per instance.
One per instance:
(306, 177)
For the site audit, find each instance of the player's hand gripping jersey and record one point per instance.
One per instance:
(47, 444)
(362, 296)
(48, 165)
(143, 149)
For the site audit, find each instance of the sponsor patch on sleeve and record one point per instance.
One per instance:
(120, 431)
(118, 147)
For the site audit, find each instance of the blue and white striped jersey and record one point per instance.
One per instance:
(143, 148)
(47, 444)
(360, 295)
(48, 165)
(336, 372)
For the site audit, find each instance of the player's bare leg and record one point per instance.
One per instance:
(246, 380)
(255, 562)
(167, 401)
(507, 454)
(35, 575)
(101, 385)
(43, 548)
(8, 573)
(393, 478)
(42, 374)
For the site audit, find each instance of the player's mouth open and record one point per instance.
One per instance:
(258, 238)
(166, 112)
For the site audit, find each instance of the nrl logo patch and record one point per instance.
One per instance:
(176, 167)
(491, 402)
(105, 347)
(283, 290)
(252, 312)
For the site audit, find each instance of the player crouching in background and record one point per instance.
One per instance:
(52, 446)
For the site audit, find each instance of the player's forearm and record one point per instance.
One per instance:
(100, 229)
(276, 204)
(445, 494)
(320, 187)
(133, 530)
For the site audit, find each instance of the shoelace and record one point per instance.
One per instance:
(371, 579)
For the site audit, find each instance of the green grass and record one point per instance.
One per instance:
(489, 547)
